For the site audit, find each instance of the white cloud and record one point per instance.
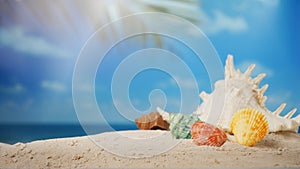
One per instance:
(194, 12)
(53, 85)
(214, 24)
(15, 89)
(221, 22)
(17, 39)
(259, 68)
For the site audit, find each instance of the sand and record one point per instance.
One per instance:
(275, 150)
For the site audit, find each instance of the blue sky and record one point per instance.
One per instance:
(40, 42)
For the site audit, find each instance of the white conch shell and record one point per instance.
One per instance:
(239, 91)
(236, 92)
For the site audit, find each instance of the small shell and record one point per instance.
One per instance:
(207, 134)
(151, 121)
(249, 126)
(180, 125)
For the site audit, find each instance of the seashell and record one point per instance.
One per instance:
(207, 134)
(165, 115)
(237, 91)
(180, 125)
(249, 126)
(151, 121)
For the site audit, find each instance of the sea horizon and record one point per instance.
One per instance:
(27, 132)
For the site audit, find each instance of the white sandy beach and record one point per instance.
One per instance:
(276, 150)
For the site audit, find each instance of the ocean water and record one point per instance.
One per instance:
(13, 133)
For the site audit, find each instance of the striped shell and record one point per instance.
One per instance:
(249, 126)
(180, 125)
(207, 134)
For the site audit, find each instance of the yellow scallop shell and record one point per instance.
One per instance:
(249, 126)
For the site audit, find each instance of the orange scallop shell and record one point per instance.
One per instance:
(249, 126)
(207, 134)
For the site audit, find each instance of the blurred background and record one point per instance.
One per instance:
(40, 42)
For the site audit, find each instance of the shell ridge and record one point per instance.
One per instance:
(290, 114)
(249, 70)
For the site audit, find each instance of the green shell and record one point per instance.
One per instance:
(180, 125)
